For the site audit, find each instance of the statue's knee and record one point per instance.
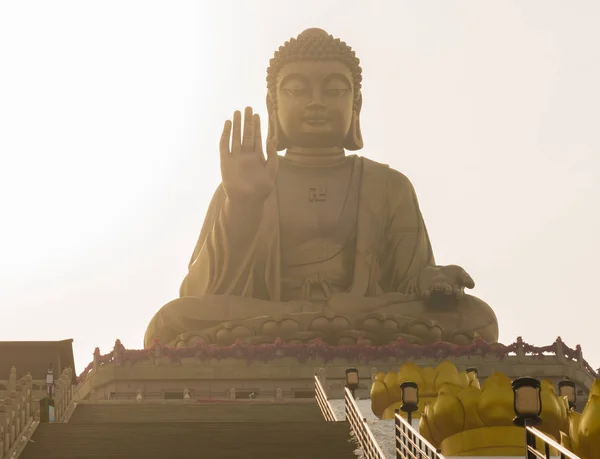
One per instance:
(479, 317)
(472, 304)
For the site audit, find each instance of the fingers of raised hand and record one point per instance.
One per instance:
(272, 156)
(273, 138)
(224, 143)
(248, 133)
(236, 138)
(257, 134)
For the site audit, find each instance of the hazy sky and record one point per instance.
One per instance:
(111, 112)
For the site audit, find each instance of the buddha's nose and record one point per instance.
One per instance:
(316, 104)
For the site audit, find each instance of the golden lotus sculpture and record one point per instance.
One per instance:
(463, 418)
(468, 421)
(582, 435)
(386, 396)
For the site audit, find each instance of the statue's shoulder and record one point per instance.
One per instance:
(380, 171)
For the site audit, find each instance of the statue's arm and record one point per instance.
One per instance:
(223, 254)
(407, 249)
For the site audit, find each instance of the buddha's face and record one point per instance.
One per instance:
(315, 100)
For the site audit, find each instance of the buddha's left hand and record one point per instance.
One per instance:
(448, 280)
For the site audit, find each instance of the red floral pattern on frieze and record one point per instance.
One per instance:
(319, 350)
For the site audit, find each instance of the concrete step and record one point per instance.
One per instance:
(183, 440)
(240, 412)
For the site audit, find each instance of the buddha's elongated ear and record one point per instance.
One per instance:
(274, 125)
(354, 139)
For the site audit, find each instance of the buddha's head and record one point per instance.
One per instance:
(314, 96)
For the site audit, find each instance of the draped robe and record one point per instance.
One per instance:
(392, 245)
(390, 248)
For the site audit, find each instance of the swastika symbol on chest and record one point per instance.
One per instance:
(316, 194)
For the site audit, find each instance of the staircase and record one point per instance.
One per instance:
(198, 431)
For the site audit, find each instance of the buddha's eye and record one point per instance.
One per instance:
(335, 92)
(296, 92)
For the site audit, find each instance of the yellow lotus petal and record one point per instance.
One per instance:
(426, 431)
(574, 421)
(589, 428)
(546, 385)
(497, 379)
(434, 432)
(380, 399)
(469, 398)
(449, 389)
(446, 372)
(564, 413)
(552, 413)
(390, 411)
(565, 441)
(463, 379)
(411, 372)
(595, 389)
(428, 374)
(475, 383)
(496, 404)
(393, 388)
(379, 376)
(448, 415)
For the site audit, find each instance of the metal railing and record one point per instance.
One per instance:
(361, 429)
(551, 447)
(410, 444)
(323, 401)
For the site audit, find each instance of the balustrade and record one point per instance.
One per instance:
(410, 444)
(19, 414)
(535, 439)
(360, 428)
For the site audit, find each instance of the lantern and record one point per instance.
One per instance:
(473, 376)
(527, 401)
(410, 398)
(50, 381)
(352, 379)
(566, 388)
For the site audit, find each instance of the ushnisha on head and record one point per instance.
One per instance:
(314, 93)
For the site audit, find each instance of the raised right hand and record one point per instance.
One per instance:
(247, 177)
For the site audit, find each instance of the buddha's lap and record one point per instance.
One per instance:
(468, 313)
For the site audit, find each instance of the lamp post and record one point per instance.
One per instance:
(352, 380)
(566, 388)
(50, 389)
(473, 376)
(50, 382)
(410, 403)
(528, 407)
(410, 398)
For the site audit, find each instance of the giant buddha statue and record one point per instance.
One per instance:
(315, 242)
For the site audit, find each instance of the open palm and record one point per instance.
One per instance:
(247, 176)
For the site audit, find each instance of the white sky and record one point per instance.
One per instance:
(110, 115)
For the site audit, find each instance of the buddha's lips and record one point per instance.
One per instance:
(316, 121)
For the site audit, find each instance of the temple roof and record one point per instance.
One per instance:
(35, 357)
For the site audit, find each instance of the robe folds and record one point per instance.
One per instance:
(392, 244)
